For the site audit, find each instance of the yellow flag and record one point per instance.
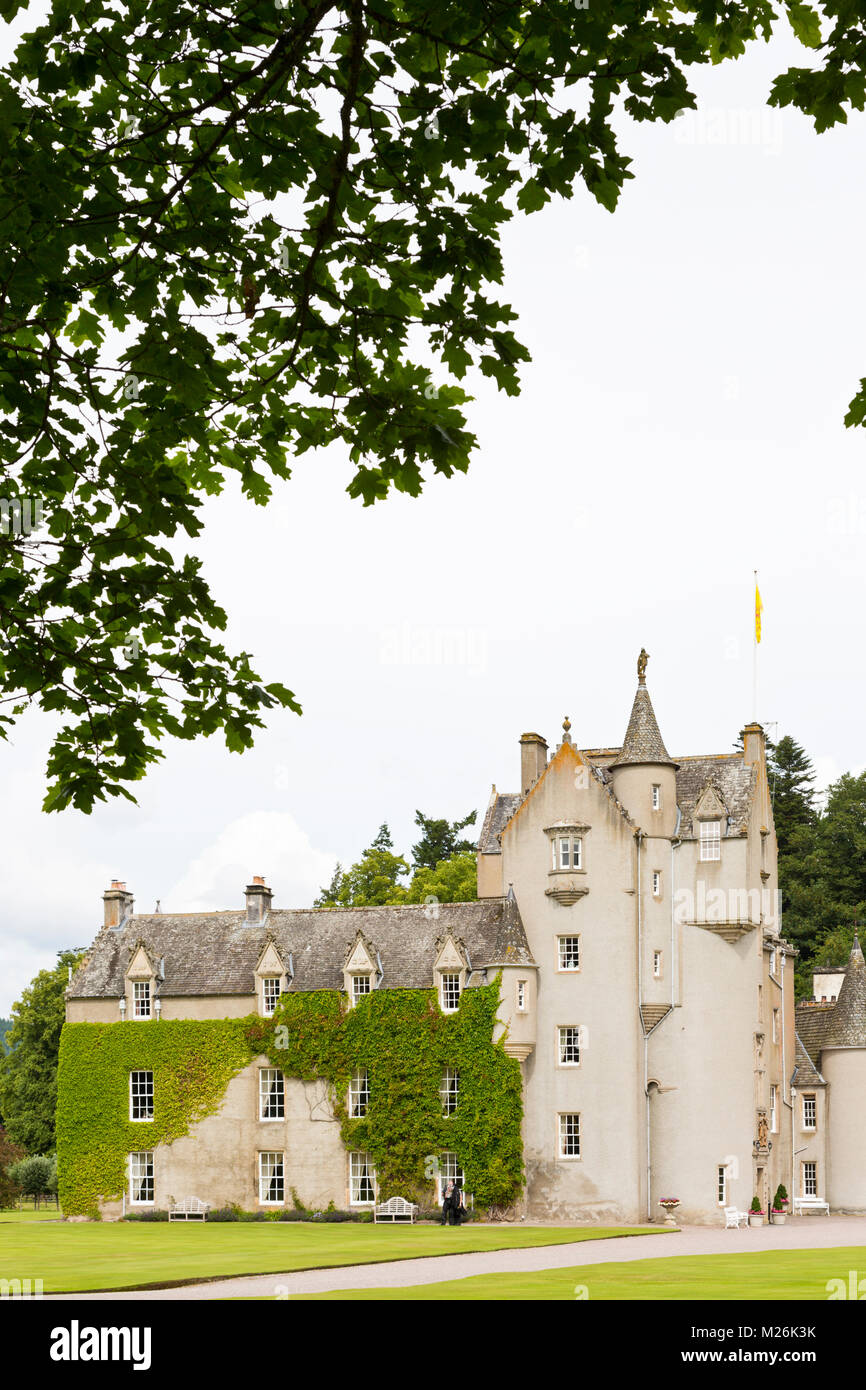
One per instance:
(758, 609)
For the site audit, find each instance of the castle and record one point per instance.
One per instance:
(628, 907)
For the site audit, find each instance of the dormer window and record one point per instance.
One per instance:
(361, 985)
(711, 840)
(568, 852)
(141, 1001)
(450, 992)
(271, 990)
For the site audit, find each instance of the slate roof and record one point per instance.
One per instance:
(217, 952)
(847, 1023)
(643, 741)
(805, 1072)
(812, 1022)
(734, 780)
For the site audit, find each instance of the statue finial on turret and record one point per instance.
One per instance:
(641, 666)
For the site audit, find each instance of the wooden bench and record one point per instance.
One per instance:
(190, 1209)
(395, 1209)
(733, 1217)
(802, 1204)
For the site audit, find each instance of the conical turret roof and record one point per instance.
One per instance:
(643, 742)
(847, 1025)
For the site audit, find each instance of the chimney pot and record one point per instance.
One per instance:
(117, 903)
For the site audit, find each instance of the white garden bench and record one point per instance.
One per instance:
(395, 1209)
(802, 1204)
(733, 1217)
(190, 1209)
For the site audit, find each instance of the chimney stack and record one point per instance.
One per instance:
(533, 759)
(118, 903)
(258, 900)
(754, 746)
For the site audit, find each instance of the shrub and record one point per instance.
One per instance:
(155, 1215)
(224, 1214)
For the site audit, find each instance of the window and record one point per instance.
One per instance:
(568, 852)
(760, 1003)
(449, 1171)
(569, 952)
(809, 1112)
(359, 1094)
(449, 1090)
(141, 1095)
(657, 796)
(272, 1180)
(272, 1094)
(773, 961)
(711, 839)
(521, 995)
(810, 1179)
(141, 1178)
(657, 883)
(657, 965)
(569, 1136)
(722, 1185)
(775, 1025)
(450, 993)
(569, 1046)
(141, 999)
(360, 987)
(774, 1114)
(270, 994)
(362, 1180)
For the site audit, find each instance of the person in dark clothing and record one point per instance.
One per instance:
(446, 1204)
(457, 1206)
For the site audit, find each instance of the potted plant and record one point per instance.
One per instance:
(669, 1204)
(756, 1213)
(780, 1203)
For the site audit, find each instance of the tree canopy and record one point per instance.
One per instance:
(378, 879)
(236, 233)
(28, 1073)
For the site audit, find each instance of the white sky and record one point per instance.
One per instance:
(680, 425)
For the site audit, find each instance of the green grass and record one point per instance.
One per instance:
(28, 1214)
(766, 1274)
(116, 1255)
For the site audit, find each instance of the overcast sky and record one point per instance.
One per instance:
(680, 425)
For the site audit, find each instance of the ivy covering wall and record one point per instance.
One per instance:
(400, 1036)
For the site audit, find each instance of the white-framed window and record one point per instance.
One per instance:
(361, 985)
(569, 1136)
(657, 965)
(774, 1111)
(449, 992)
(568, 952)
(711, 839)
(359, 1093)
(657, 796)
(141, 1178)
(773, 961)
(449, 1171)
(362, 1180)
(270, 994)
(809, 1113)
(141, 1095)
(810, 1178)
(141, 999)
(272, 1094)
(567, 852)
(775, 1025)
(449, 1089)
(521, 995)
(272, 1178)
(568, 1045)
(657, 883)
(722, 1185)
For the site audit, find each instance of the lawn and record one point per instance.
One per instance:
(28, 1214)
(115, 1255)
(766, 1274)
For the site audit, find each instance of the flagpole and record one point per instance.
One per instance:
(755, 658)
